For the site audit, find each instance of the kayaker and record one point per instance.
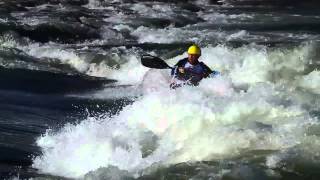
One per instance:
(190, 70)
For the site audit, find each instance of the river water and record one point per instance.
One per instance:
(76, 103)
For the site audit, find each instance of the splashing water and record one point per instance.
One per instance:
(216, 120)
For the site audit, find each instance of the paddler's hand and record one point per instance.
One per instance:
(181, 70)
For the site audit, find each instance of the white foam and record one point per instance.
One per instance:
(211, 121)
(48, 50)
(244, 65)
(165, 8)
(237, 35)
(253, 64)
(93, 4)
(92, 151)
(273, 161)
(188, 34)
(311, 82)
(98, 4)
(32, 21)
(115, 19)
(156, 10)
(112, 92)
(202, 2)
(256, 64)
(4, 20)
(171, 34)
(7, 41)
(161, 77)
(52, 51)
(223, 18)
(142, 8)
(121, 27)
(191, 124)
(130, 72)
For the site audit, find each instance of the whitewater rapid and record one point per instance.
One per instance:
(77, 103)
(254, 105)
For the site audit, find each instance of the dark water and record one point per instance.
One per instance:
(63, 62)
(31, 103)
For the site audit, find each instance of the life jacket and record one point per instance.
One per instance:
(194, 73)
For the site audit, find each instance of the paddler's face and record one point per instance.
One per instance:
(193, 58)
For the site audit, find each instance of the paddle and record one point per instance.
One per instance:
(154, 62)
(157, 63)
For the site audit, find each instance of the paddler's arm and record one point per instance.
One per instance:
(207, 70)
(179, 64)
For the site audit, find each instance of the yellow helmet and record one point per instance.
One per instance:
(194, 49)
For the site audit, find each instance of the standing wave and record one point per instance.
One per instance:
(255, 105)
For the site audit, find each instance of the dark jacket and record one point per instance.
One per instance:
(192, 76)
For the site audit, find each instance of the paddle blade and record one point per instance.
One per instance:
(154, 62)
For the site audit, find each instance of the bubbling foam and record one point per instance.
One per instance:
(190, 124)
(217, 119)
